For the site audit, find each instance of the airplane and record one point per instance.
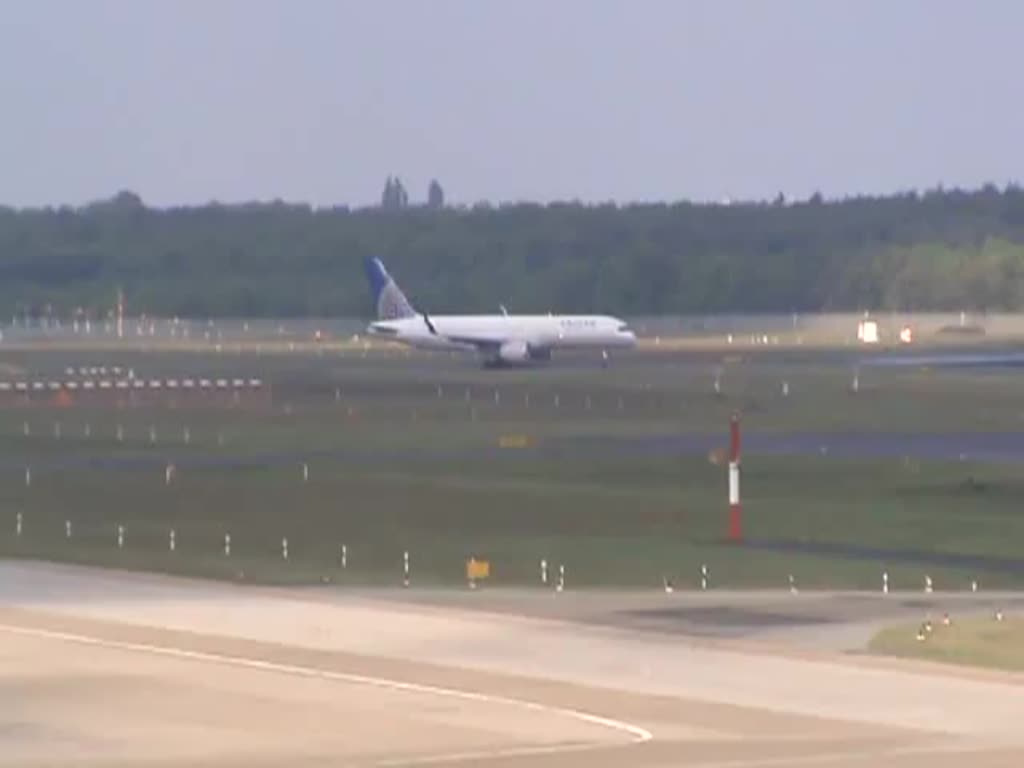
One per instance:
(499, 340)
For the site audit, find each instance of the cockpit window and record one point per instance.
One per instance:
(625, 329)
(385, 330)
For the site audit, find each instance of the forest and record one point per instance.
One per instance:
(933, 250)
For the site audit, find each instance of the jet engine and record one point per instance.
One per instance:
(515, 351)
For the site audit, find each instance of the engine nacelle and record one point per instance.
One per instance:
(514, 352)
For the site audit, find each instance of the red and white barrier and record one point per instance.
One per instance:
(122, 384)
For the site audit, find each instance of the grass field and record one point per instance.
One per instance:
(979, 642)
(573, 464)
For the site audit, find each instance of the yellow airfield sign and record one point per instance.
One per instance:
(477, 570)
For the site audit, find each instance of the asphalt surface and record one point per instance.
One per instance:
(947, 446)
(981, 563)
(958, 446)
(101, 669)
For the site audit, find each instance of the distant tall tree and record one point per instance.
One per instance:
(387, 199)
(435, 195)
(125, 200)
(395, 197)
(401, 196)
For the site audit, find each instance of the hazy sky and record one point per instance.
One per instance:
(185, 101)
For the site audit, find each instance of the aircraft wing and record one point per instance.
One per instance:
(483, 343)
(488, 346)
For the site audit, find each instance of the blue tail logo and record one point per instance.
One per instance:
(387, 296)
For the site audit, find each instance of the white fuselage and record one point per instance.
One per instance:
(506, 336)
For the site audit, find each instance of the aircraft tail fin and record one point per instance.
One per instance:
(388, 298)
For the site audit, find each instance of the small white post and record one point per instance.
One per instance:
(718, 383)
(120, 433)
(337, 394)
(186, 435)
(561, 579)
(344, 557)
(544, 572)
(227, 545)
(284, 548)
(26, 429)
(152, 434)
(168, 474)
(703, 576)
(305, 473)
(171, 542)
(120, 537)
(497, 397)
(667, 585)
(792, 585)
(28, 476)
(974, 586)
(785, 389)
(855, 384)
(405, 568)
(67, 529)
(885, 582)
(928, 584)
(18, 520)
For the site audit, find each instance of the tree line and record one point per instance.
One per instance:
(935, 250)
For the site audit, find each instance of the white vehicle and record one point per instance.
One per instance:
(499, 339)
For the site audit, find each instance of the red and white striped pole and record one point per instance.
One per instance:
(735, 508)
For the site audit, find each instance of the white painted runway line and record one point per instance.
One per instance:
(632, 734)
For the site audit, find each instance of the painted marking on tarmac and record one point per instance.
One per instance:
(636, 734)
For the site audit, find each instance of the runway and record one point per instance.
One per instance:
(102, 669)
(995, 447)
(925, 446)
